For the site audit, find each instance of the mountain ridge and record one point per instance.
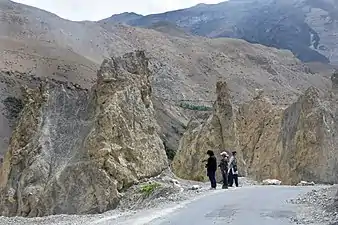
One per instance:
(296, 25)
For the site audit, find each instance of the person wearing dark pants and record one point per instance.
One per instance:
(212, 178)
(224, 169)
(232, 177)
(211, 168)
(233, 171)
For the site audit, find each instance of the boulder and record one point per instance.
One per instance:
(271, 182)
(73, 151)
(305, 183)
(195, 187)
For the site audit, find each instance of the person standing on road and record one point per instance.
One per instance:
(211, 168)
(233, 171)
(224, 169)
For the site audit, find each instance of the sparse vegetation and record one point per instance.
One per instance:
(195, 107)
(148, 189)
(200, 178)
(170, 152)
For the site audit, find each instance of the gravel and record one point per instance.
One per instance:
(316, 207)
(171, 190)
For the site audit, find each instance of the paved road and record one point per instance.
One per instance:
(249, 205)
(263, 205)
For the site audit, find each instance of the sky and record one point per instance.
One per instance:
(99, 9)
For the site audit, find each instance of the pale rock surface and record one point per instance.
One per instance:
(195, 187)
(271, 182)
(306, 183)
(73, 151)
(291, 144)
(217, 133)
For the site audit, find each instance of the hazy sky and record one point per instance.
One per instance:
(99, 9)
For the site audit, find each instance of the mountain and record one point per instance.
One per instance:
(66, 122)
(306, 27)
(122, 18)
(38, 45)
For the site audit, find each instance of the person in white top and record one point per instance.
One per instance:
(233, 171)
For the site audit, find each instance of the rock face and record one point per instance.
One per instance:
(36, 43)
(289, 144)
(217, 133)
(72, 151)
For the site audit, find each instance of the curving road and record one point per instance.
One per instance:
(248, 205)
(256, 205)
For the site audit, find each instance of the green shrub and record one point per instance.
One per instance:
(195, 107)
(148, 189)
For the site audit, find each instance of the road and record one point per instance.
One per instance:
(257, 205)
(248, 205)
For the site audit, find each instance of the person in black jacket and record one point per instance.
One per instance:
(211, 168)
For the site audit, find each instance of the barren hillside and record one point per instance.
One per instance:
(306, 27)
(40, 44)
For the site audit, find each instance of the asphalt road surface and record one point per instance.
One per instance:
(259, 205)
(248, 205)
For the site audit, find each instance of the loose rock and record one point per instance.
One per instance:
(271, 182)
(317, 207)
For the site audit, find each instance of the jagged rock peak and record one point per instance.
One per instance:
(121, 68)
(129, 69)
(223, 99)
(268, 139)
(222, 91)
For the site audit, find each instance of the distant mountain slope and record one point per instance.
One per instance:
(306, 27)
(122, 18)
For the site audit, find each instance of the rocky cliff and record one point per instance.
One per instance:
(295, 143)
(72, 150)
(38, 44)
(217, 133)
